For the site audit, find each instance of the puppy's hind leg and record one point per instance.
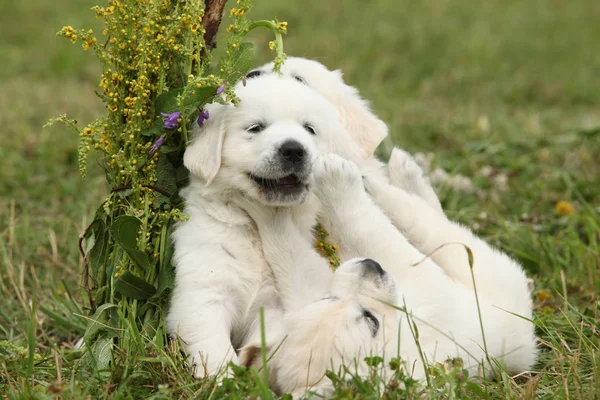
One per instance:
(406, 174)
(498, 277)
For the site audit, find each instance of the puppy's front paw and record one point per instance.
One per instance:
(404, 171)
(336, 177)
(213, 364)
(323, 391)
(406, 174)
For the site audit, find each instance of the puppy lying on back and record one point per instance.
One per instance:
(353, 319)
(263, 149)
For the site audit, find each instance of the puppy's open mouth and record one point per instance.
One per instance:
(289, 182)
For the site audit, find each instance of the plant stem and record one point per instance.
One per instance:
(272, 27)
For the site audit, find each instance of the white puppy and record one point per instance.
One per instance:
(403, 173)
(354, 319)
(438, 290)
(366, 129)
(264, 148)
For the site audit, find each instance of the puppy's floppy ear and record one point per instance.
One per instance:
(203, 155)
(364, 126)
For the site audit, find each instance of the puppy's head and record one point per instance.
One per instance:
(366, 128)
(265, 146)
(354, 321)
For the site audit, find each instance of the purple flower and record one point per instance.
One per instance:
(202, 117)
(170, 121)
(220, 89)
(159, 142)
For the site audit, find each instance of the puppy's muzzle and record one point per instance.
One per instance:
(292, 154)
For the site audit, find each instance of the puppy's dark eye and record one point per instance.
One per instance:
(254, 74)
(309, 128)
(372, 322)
(256, 128)
(300, 79)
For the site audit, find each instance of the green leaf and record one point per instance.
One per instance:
(133, 287)
(167, 102)
(166, 277)
(182, 176)
(102, 353)
(97, 255)
(244, 60)
(125, 232)
(476, 389)
(98, 321)
(166, 176)
(155, 130)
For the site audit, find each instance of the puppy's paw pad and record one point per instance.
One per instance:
(336, 170)
(404, 170)
(405, 173)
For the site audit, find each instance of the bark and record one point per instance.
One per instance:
(211, 21)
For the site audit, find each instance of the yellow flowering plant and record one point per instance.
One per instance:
(158, 73)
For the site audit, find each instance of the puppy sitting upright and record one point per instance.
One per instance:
(264, 149)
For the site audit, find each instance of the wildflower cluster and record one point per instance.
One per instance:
(158, 74)
(326, 249)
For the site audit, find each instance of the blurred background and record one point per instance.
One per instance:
(501, 88)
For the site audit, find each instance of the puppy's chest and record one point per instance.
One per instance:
(250, 253)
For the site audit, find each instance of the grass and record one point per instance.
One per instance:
(510, 85)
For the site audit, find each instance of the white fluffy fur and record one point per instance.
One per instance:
(222, 278)
(366, 129)
(325, 334)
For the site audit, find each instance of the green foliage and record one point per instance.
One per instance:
(157, 76)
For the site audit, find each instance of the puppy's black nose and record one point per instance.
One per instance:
(292, 151)
(372, 266)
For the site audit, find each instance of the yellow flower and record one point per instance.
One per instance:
(87, 131)
(272, 45)
(282, 26)
(564, 208)
(113, 108)
(194, 27)
(543, 295)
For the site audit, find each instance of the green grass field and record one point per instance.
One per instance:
(510, 85)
